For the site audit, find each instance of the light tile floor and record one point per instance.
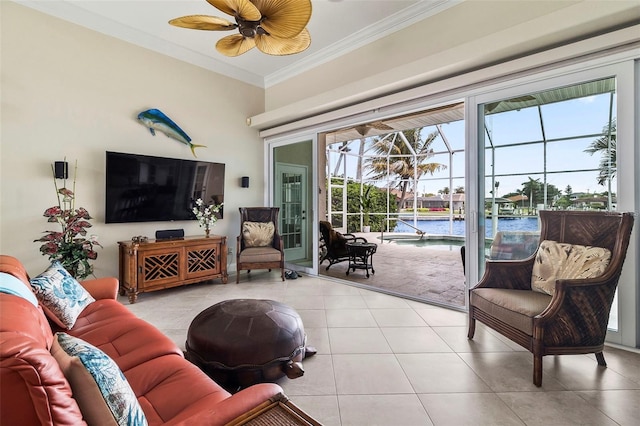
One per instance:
(383, 360)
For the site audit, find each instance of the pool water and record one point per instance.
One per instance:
(443, 243)
(441, 226)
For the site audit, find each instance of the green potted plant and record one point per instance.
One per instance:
(70, 246)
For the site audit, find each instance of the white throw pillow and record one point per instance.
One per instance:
(258, 234)
(556, 261)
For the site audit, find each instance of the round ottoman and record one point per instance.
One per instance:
(241, 342)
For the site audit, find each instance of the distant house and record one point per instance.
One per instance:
(435, 202)
(594, 202)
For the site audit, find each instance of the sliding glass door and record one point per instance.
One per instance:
(551, 145)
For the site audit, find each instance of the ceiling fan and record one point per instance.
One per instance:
(275, 27)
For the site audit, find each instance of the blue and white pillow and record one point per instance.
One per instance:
(114, 388)
(61, 294)
(12, 285)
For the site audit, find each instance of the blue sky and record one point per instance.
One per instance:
(570, 118)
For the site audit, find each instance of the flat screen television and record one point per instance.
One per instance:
(143, 188)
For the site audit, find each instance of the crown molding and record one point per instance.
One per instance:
(68, 11)
(398, 21)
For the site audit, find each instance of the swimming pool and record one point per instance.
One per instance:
(441, 226)
(440, 242)
(425, 241)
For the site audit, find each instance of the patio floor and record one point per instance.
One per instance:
(426, 273)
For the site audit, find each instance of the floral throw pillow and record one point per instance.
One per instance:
(258, 234)
(556, 261)
(99, 387)
(60, 294)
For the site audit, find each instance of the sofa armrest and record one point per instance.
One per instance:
(102, 288)
(230, 408)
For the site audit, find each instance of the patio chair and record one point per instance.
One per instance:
(557, 302)
(333, 244)
(259, 245)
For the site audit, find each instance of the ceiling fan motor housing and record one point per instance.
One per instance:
(250, 28)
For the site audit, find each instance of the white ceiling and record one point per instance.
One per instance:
(336, 26)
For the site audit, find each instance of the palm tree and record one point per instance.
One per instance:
(606, 146)
(531, 189)
(407, 154)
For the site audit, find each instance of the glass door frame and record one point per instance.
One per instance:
(627, 89)
(271, 143)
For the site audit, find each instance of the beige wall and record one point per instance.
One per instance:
(68, 91)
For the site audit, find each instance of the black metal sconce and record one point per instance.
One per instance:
(245, 181)
(61, 169)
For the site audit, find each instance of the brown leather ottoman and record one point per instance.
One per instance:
(240, 342)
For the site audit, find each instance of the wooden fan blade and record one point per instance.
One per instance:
(242, 8)
(235, 45)
(284, 18)
(203, 22)
(283, 46)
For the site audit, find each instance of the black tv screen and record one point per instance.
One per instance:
(142, 188)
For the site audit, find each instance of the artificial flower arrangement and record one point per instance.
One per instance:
(70, 246)
(206, 214)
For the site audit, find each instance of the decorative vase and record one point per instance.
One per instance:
(206, 232)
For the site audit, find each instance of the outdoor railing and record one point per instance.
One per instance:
(418, 231)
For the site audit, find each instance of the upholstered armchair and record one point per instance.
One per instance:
(259, 245)
(558, 300)
(333, 244)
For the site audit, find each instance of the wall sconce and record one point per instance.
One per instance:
(245, 181)
(61, 169)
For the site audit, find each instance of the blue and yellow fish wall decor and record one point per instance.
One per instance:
(154, 119)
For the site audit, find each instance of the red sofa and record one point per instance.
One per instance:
(170, 390)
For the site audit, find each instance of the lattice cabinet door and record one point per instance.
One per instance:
(203, 260)
(159, 267)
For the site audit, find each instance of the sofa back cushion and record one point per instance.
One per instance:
(33, 389)
(556, 261)
(103, 393)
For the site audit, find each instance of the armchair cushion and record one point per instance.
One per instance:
(514, 307)
(260, 255)
(103, 393)
(556, 261)
(258, 234)
(61, 296)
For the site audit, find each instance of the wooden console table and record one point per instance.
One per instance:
(160, 264)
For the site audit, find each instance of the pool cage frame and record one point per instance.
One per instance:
(343, 151)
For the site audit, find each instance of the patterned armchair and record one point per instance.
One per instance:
(259, 245)
(557, 301)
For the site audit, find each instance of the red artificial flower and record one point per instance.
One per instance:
(82, 213)
(52, 212)
(66, 192)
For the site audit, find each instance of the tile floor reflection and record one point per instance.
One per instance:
(384, 360)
